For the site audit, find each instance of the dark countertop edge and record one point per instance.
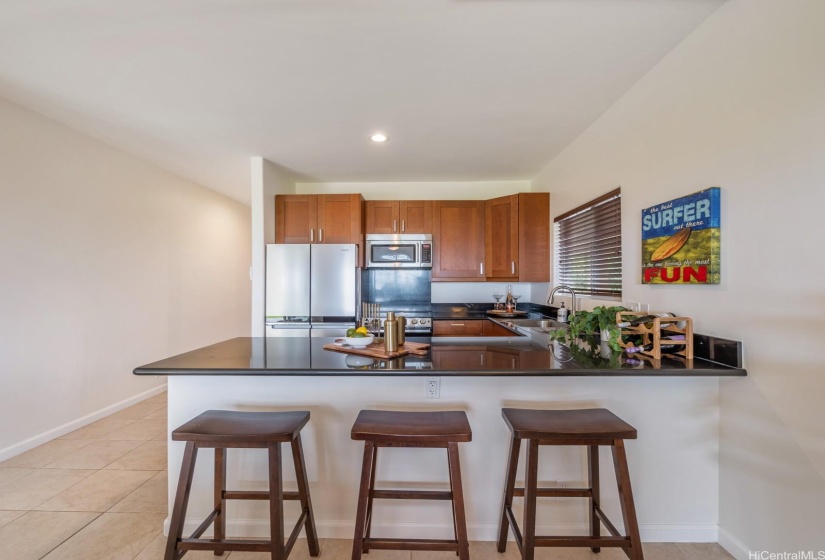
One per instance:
(584, 372)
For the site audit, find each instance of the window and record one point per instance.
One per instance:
(589, 247)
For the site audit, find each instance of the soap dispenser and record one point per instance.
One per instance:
(561, 314)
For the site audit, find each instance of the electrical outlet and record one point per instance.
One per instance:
(433, 388)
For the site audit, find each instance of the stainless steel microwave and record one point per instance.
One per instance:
(406, 250)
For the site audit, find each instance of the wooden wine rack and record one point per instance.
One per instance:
(653, 335)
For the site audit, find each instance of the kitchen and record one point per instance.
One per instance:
(121, 255)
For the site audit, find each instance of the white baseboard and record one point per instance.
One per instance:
(733, 545)
(40, 439)
(259, 528)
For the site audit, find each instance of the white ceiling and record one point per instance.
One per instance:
(466, 89)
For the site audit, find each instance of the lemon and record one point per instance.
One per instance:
(362, 330)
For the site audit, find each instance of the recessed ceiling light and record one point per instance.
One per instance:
(379, 137)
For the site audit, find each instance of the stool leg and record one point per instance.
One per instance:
(593, 480)
(363, 499)
(509, 486)
(303, 492)
(369, 499)
(458, 501)
(276, 502)
(626, 499)
(220, 501)
(187, 469)
(530, 488)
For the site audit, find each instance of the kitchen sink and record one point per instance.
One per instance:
(543, 325)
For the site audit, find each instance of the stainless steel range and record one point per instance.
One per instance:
(404, 292)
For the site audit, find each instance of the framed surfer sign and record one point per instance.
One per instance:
(681, 240)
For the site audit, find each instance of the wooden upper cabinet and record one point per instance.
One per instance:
(296, 218)
(322, 218)
(405, 216)
(340, 218)
(533, 263)
(416, 216)
(501, 232)
(458, 240)
(517, 238)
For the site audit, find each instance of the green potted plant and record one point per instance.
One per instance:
(590, 323)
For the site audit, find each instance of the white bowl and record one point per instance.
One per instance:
(360, 342)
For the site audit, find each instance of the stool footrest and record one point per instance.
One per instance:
(411, 544)
(256, 495)
(557, 492)
(205, 525)
(225, 545)
(623, 542)
(412, 494)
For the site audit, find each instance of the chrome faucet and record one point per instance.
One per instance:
(569, 289)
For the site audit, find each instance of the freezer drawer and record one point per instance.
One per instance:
(283, 331)
(336, 330)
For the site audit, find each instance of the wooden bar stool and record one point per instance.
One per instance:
(223, 429)
(410, 429)
(591, 427)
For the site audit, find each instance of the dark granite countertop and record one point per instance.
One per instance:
(523, 356)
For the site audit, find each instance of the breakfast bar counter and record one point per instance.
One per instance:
(449, 356)
(675, 408)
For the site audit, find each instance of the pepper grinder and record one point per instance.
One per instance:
(401, 325)
(391, 333)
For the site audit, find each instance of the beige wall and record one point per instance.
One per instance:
(739, 105)
(107, 263)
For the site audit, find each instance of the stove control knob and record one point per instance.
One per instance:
(414, 321)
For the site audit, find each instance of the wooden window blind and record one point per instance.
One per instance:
(588, 246)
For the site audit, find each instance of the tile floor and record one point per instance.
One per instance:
(99, 493)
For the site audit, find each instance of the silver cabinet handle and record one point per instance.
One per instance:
(320, 235)
(481, 269)
(394, 228)
(403, 229)
(312, 236)
(512, 267)
(456, 324)
(482, 358)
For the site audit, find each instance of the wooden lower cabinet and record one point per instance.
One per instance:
(469, 327)
(455, 327)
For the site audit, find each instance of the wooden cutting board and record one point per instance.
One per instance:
(376, 350)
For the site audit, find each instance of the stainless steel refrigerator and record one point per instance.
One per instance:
(311, 290)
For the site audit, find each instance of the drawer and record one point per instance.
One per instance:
(457, 327)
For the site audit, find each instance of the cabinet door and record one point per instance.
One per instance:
(296, 218)
(502, 358)
(490, 328)
(416, 216)
(464, 357)
(382, 216)
(457, 327)
(501, 231)
(339, 218)
(534, 237)
(458, 240)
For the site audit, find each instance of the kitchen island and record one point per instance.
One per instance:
(674, 463)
